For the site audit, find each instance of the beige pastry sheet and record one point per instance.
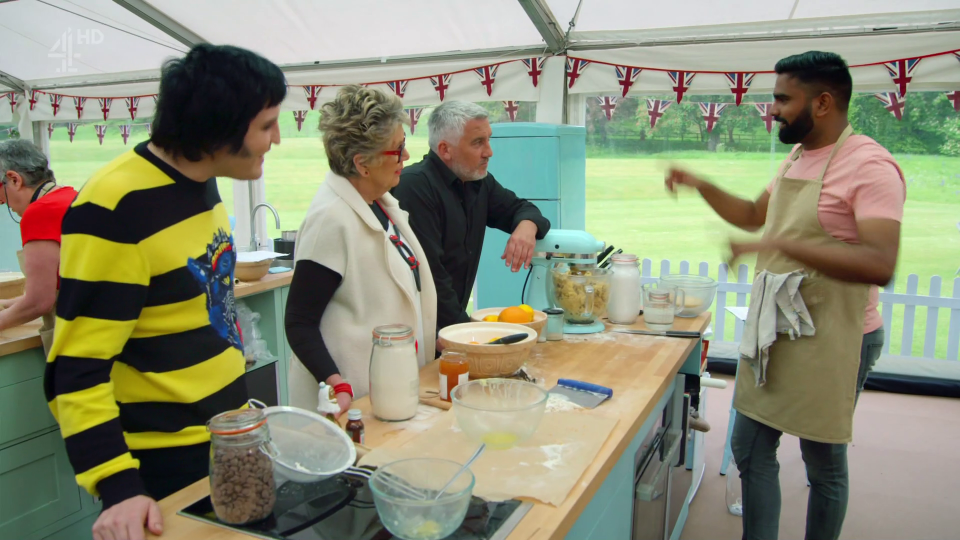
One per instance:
(545, 467)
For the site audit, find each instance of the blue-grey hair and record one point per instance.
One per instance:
(448, 120)
(24, 158)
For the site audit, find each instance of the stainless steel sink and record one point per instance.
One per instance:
(281, 263)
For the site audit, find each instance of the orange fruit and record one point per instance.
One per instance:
(491, 318)
(515, 315)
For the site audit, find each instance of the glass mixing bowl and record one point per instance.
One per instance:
(699, 292)
(582, 292)
(499, 412)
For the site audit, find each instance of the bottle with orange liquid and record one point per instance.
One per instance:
(454, 370)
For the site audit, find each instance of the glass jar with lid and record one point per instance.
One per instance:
(394, 373)
(624, 305)
(242, 488)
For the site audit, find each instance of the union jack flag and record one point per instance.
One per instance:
(149, 130)
(50, 129)
(627, 75)
(33, 98)
(125, 132)
(12, 96)
(534, 68)
(575, 67)
(955, 98)
(512, 108)
(655, 110)
(608, 104)
(398, 87)
(893, 102)
(299, 116)
(72, 130)
(414, 117)
(765, 114)
(312, 93)
(681, 82)
(105, 104)
(132, 104)
(957, 54)
(101, 131)
(900, 71)
(55, 100)
(441, 83)
(487, 76)
(78, 102)
(711, 113)
(155, 98)
(739, 84)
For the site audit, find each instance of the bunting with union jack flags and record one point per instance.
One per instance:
(765, 114)
(681, 82)
(414, 113)
(398, 87)
(893, 102)
(534, 68)
(608, 104)
(441, 83)
(626, 76)
(575, 67)
(33, 98)
(125, 133)
(55, 100)
(655, 110)
(132, 104)
(711, 114)
(299, 116)
(79, 102)
(512, 108)
(72, 130)
(954, 97)
(50, 129)
(12, 96)
(488, 75)
(105, 104)
(312, 92)
(901, 72)
(739, 84)
(101, 131)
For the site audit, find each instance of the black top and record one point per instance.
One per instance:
(450, 217)
(312, 288)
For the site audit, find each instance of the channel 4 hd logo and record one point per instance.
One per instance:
(65, 49)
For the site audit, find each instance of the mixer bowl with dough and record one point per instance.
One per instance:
(698, 292)
(581, 291)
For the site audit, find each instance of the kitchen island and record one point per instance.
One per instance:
(643, 373)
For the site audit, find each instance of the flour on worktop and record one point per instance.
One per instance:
(554, 454)
(560, 403)
(422, 421)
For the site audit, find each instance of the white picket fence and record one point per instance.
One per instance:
(888, 299)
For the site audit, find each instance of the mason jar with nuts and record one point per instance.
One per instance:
(242, 488)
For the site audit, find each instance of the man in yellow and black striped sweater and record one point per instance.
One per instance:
(147, 346)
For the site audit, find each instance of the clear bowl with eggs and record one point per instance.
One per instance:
(699, 292)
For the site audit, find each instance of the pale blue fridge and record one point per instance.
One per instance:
(545, 164)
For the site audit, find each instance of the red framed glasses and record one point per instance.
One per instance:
(398, 152)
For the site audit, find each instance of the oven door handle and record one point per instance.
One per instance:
(651, 491)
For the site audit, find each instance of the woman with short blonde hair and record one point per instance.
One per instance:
(349, 276)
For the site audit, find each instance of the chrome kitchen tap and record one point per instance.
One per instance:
(254, 242)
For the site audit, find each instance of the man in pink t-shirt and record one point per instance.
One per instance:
(860, 204)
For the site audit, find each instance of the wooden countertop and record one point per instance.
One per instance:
(24, 337)
(638, 369)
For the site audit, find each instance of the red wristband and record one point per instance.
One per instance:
(343, 388)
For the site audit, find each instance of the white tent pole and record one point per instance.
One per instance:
(11, 81)
(542, 18)
(160, 20)
(552, 81)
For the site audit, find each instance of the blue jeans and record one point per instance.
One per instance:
(754, 446)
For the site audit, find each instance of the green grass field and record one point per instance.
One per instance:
(626, 203)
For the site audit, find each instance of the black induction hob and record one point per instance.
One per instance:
(341, 508)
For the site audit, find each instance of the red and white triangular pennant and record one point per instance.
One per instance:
(711, 113)
(55, 100)
(101, 131)
(12, 96)
(901, 72)
(150, 130)
(655, 110)
(414, 117)
(132, 104)
(312, 92)
(512, 108)
(739, 84)
(79, 102)
(626, 76)
(681, 82)
(765, 114)
(125, 132)
(105, 104)
(534, 68)
(50, 129)
(441, 83)
(487, 74)
(893, 102)
(575, 67)
(299, 116)
(955, 98)
(34, 94)
(608, 104)
(398, 87)
(72, 130)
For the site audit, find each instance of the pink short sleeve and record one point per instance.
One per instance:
(879, 192)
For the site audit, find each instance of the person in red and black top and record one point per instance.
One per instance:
(30, 191)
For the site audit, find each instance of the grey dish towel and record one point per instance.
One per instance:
(776, 307)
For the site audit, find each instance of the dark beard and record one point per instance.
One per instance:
(796, 131)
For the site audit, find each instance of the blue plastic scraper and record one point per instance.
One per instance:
(582, 393)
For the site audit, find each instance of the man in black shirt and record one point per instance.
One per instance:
(452, 198)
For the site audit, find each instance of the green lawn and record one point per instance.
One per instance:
(626, 203)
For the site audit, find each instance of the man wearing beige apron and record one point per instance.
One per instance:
(30, 191)
(833, 213)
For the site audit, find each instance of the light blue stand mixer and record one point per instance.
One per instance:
(559, 249)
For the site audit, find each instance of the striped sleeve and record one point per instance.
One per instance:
(104, 285)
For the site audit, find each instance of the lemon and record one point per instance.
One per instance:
(491, 318)
(500, 440)
(526, 308)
